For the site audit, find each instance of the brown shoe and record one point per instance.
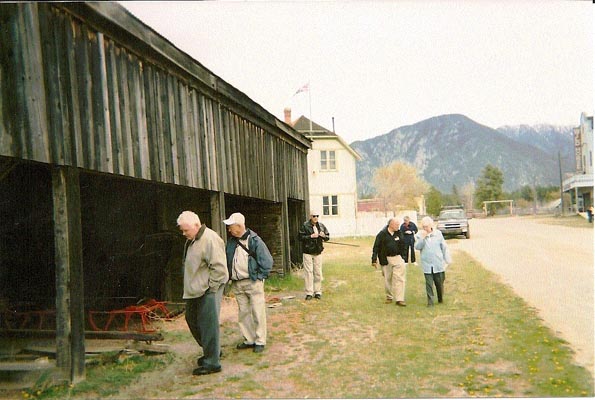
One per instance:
(401, 303)
(388, 301)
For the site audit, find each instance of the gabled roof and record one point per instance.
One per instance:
(302, 125)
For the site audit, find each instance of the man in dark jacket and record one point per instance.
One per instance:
(389, 248)
(409, 230)
(312, 235)
(248, 263)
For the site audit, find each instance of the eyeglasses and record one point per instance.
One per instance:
(314, 216)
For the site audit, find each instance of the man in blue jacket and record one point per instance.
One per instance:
(249, 263)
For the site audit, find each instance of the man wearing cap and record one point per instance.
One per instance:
(248, 263)
(205, 276)
(312, 235)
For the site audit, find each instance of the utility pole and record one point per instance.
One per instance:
(561, 186)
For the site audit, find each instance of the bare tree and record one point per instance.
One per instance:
(467, 194)
(399, 184)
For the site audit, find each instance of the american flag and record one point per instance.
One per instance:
(304, 88)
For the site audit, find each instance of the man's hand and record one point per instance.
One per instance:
(375, 265)
(314, 235)
(321, 234)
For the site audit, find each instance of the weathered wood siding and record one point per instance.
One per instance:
(87, 85)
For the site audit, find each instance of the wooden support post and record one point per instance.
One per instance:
(70, 316)
(218, 213)
(284, 228)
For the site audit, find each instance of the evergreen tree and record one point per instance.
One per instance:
(489, 187)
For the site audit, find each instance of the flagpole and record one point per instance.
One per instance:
(310, 103)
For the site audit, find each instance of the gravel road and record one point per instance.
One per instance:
(550, 266)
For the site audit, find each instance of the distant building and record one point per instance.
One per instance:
(331, 176)
(370, 205)
(580, 185)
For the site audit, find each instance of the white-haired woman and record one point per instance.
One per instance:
(435, 257)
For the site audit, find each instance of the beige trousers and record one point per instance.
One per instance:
(252, 316)
(395, 275)
(313, 274)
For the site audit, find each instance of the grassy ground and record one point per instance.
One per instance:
(568, 220)
(482, 342)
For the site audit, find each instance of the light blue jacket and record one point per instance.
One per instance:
(434, 252)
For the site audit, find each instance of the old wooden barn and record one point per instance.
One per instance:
(107, 133)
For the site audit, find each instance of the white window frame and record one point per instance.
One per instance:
(325, 157)
(330, 208)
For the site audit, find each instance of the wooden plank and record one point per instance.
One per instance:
(143, 140)
(216, 148)
(173, 144)
(191, 154)
(51, 69)
(235, 152)
(125, 113)
(34, 86)
(72, 95)
(114, 101)
(241, 156)
(85, 97)
(204, 142)
(227, 170)
(134, 113)
(62, 56)
(166, 169)
(102, 115)
(179, 89)
(151, 121)
(70, 322)
(48, 333)
(214, 161)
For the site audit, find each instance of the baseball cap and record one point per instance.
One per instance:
(235, 218)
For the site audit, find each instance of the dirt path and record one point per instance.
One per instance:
(550, 266)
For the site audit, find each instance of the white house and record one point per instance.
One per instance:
(580, 185)
(331, 176)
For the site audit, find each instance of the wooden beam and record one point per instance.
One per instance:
(70, 317)
(50, 333)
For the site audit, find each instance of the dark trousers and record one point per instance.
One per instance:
(437, 279)
(409, 247)
(202, 317)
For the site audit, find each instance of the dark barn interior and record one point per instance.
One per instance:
(132, 248)
(131, 245)
(27, 270)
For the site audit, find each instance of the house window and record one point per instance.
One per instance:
(330, 205)
(327, 160)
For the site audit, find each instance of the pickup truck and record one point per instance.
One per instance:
(453, 222)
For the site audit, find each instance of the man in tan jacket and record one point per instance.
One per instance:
(205, 275)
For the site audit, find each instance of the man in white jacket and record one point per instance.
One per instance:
(435, 257)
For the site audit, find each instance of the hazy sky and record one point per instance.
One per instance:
(378, 65)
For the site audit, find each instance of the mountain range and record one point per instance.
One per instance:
(451, 150)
